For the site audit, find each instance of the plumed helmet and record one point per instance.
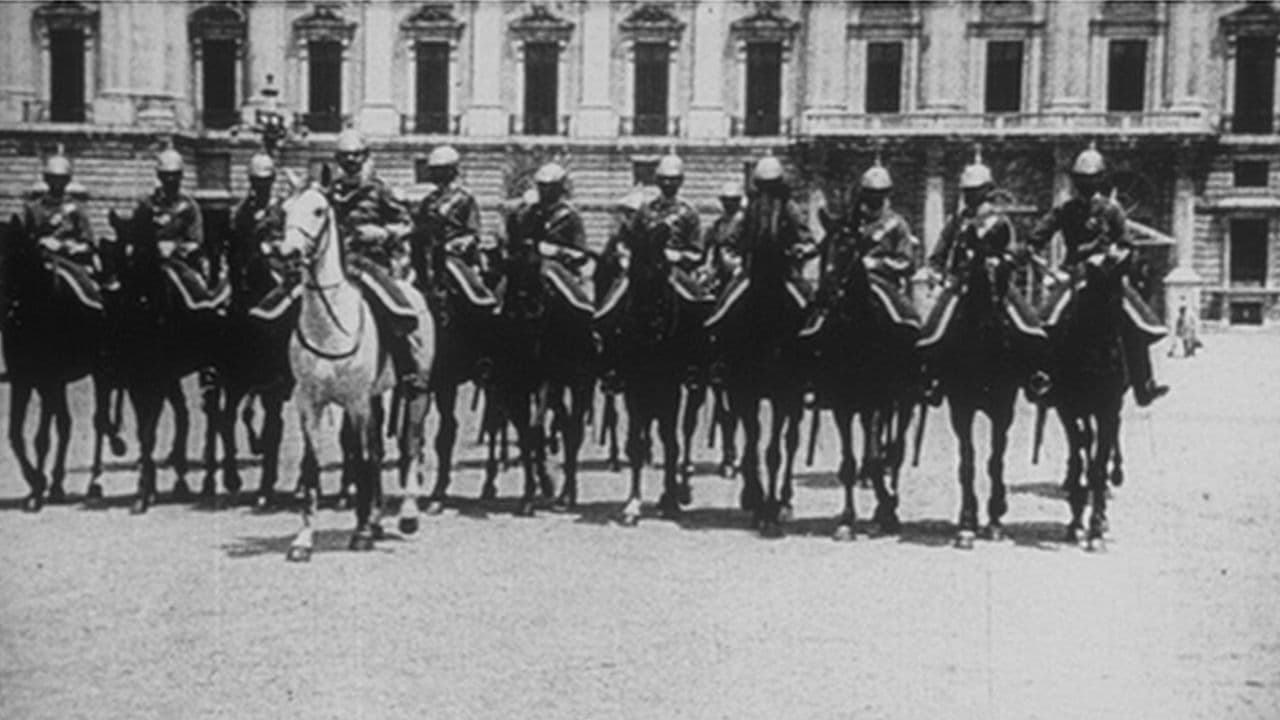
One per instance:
(877, 178)
(261, 166)
(731, 189)
(767, 168)
(169, 161)
(351, 141)
(1089, 162)
(443, 156)
(975, 175)
(58, 165)
(549, 174)
(669, 166)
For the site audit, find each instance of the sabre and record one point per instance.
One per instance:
(814, 423)
(924, 414)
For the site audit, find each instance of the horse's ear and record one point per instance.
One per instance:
(326, 176)
(292, 181)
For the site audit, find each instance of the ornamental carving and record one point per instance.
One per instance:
(221, 21)
(433, 22)
(765, 25)
(65, 16)
(540, 25)
(324, 24)
(652, 23)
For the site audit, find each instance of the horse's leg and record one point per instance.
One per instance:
(1108, 433)
(256, 440)
(544, 397)
(1117, 459)
(728, 434)
(516, 405)
(694, 397)
(412, 465)
(793, 411)
(997, 504)
(1077, 495)
(638, 419)
(308, 482)
(575, 429)
(962, 414)
(746, 410)
(673, 478)
(181, 427)
(44, 429)
(870, 450)
(609, 428)
(102, 429)
(493, 428)
(369, 454)
(446, 435)
(848, 471)
(18, 401)
(57, 399)
(272, 432)
(147, 404)
(772, 464)
(347, 440)
(215, 401)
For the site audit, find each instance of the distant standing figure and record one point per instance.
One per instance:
(1184, 330)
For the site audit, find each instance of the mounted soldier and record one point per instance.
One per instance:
(449, 220)
(722, 238)
(887, 247)
(177, 228)
(981, 227)
(556, 227)
(1093, 225)
(59, 224)
(257, 228)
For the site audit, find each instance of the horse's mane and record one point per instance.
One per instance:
(766, 251)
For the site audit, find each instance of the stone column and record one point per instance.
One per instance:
(147, 69)
(377, 115)
(596, 116)
(935, 218)
(706, 113)
(18, 76)
(1190, 30)
(825, 56)
(1067, 54)
(114, 104)
(945, 60)
(269, 40)
(485, 117)
(1182, 285)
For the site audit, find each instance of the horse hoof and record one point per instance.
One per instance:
(33, 503)
(1072, 535)
(994, 532)
(362, 541)
(785, 513)
(94, 493)
(525, 509)
(749, 500)
(844, 533)
(488, 493)
(344, 502)
(1096, 545)
(233, 484)
(1117, 477)
(684, 494)
(888, 524)
(298, 553)
(57, 495)
(728, 469)
(770, 529)
(118, 446)
(668, 508)
(181, 492)
(563, 504)
(434, 507)
(139, 506)
(614, 465)
(408, 525)
(629, 519)
(686, 470)
(209, 488)
(377, 532)
(964, 540)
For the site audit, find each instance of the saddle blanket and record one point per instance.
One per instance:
(191, 288)
(468, 284)
(568, 286)
(737, 288)
(685, 286)
(1021, 317)
(72, 280)
(1138, 315)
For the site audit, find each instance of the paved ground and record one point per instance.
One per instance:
(193, 613)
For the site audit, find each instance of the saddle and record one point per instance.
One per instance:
(190, 287)
(566, 285)
(464, 282)
(1138, 315)
(737, 288)
(73, 281)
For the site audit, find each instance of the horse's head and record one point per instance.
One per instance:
(843, 250)
(308, 222)
(767, 235)
(647, 243)
(1103, 288)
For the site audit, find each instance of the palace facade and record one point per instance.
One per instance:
(1180, 97)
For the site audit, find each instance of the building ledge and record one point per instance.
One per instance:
(1167, 122)
(1262, 203)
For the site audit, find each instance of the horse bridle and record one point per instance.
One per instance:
(313, 239)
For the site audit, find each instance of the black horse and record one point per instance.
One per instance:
(543, 355)
(161, 339)
(1090, 379)
(652, 328)
(981, 369)
(865, 364)
(754, 334)
(51, 338)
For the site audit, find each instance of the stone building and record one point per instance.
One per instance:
(1180, 96)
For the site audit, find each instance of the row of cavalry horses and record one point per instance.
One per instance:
(538, 356)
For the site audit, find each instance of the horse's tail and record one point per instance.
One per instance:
(1042, 411)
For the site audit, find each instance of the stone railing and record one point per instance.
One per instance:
(1164, 122)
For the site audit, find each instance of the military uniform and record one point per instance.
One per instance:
(177, 219)
(722, 258)
(450, 213)
(890, 254)
(258, 223)
(64, 219)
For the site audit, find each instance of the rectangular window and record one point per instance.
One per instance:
(1251, 173)
(213, 171)
(66, 75)
(764, 88)
(433, 88)
(218, 67)
(1248, 252)
(642, 171)
(1255, 84)
(541, 88)
(325, 84)
(1004, 76)
(1126, 75)
(884, 77)
(652, 71)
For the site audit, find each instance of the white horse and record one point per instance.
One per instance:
(337, 359)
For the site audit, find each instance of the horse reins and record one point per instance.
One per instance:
(313, 238)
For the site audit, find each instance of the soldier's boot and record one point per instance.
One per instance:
(405, 362)
(1145, 388)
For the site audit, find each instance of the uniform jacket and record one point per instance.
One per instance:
(1088, 225)
(177, 220)
(985, 227)
(686, 234)
(889, 240)
(366, 201)
(63, 219)
(254, 225)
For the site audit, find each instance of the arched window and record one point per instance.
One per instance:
(764, 41)
(652, 35)
(218, 38)
(541, 38)
(431, 36)
(885, 39)
(1127, 50)
(322, 40)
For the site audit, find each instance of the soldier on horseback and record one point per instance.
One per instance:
(449, 218)
(1092, 225)
(258, 226)
(60, 226)
(374, 224)
(980, 227)
(551, 219)
(722, 238)
(178, 231)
